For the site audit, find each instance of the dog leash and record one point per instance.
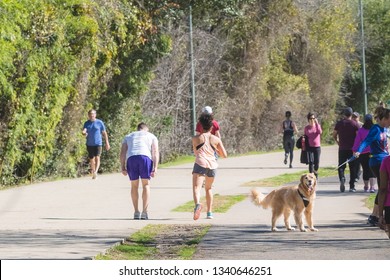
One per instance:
(347, 161)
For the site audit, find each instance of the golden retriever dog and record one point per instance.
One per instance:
(298, 199)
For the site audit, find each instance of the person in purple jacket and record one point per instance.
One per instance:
(368, 176)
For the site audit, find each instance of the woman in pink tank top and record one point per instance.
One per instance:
(205, 146)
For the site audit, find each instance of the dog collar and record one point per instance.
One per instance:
(305, 200)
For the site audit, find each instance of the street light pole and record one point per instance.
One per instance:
(192, 76)
(363, 57)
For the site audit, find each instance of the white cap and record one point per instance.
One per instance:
(207, 110)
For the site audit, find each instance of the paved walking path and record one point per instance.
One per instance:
(79, 218)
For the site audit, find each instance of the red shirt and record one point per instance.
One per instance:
(214, 129)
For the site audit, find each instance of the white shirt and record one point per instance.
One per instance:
(140, 143)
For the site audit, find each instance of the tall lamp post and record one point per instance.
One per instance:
(363, 57)
(192, 76)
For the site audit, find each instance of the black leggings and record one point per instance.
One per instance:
(364, 162)
(288, 146)
(344, 155)
(313, 155)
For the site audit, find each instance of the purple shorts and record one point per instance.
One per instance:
(139, 167)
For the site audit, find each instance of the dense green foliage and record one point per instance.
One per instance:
(59, 59)
(254, 59)
(376, 41)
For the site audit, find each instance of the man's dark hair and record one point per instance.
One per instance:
(348, 112)
(141, 126)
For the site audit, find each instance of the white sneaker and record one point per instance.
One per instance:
(94, 175)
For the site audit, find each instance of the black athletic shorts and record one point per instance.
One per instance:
(204, 171)
(94, 151)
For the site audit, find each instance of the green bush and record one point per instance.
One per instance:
(59, 59)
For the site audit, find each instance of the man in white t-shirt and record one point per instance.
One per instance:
(139, 159)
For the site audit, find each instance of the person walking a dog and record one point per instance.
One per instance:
(139, 158)
(313, 132)
(344, 134)
(93, 130)
(289, 128)
(205, 146)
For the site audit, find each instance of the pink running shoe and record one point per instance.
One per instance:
(197, 210)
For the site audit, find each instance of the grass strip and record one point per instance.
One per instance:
(289, 178)
(370, 201)
(136, 247)
(178, 161)
(187, 250)
(221, 203)
(159, 242)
